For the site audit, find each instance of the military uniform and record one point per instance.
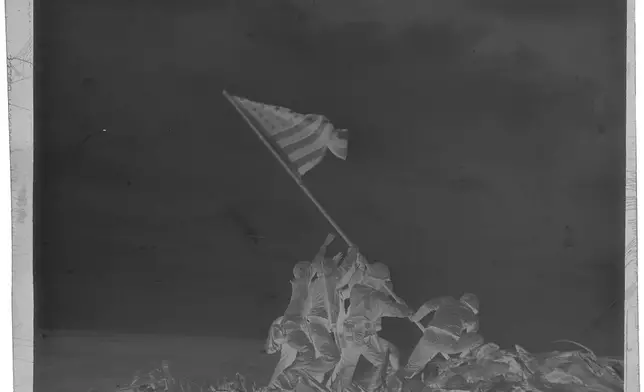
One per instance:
(295, 352)
(360, 335)
(321, 311)
(290, 334)
(451, 331)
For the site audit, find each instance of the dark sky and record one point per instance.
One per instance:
(486, 155)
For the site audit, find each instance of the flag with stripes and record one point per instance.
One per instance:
(302, 138)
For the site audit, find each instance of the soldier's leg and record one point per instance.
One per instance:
(285, 381)
(299, 341)
(342, 343)
(377, 353)
(288, 381)
(426, 349)
(392, 382)
(323, 341)
(306, 379)
(287, 357)
(346, 367)
(393, 360)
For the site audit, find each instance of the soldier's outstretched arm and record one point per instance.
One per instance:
(329, 239)
(318, 260)
(348, 268)
(391, 308)
(427, 308)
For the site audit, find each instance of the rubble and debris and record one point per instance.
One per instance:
(487, 369)
(491, 369)
(161, 380)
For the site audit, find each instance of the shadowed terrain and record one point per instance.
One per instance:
(486, 155)
(85, 361)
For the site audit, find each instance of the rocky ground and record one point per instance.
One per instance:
(131, 363)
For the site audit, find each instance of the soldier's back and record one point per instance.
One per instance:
(452, 315)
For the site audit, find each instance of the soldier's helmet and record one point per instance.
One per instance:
(301, 269)
(472, 300)
(379, 271)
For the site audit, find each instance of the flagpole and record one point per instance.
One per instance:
(290, 171)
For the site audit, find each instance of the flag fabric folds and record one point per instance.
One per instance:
(301, 138)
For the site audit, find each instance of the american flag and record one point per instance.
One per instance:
(302, 138)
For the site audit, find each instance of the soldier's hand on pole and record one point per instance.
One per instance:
(352, 252)
(361, 261)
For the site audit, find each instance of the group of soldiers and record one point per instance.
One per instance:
(334, 317)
